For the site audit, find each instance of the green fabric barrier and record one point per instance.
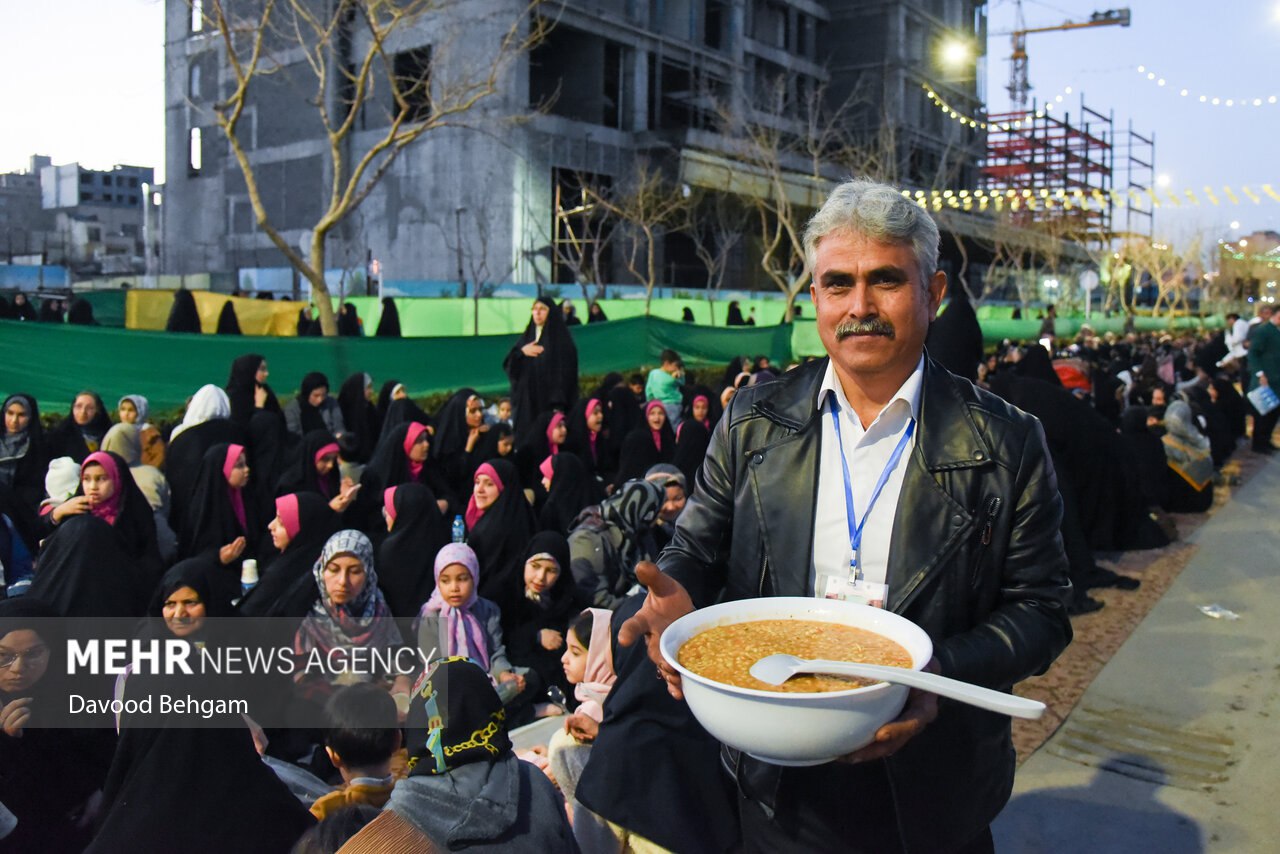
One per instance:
(55, 362)
(804, 339)
(442, 316)
(995, 331)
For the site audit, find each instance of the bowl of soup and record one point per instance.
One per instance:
(810, 719)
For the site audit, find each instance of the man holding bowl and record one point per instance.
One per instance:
(877, 476)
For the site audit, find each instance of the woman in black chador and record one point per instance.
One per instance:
(955, 338)
(389, 323)
(183, 316)
(228, 322)
(542, 365)
(360, 414)
(416, 531)
(82, 431)
(248, 391)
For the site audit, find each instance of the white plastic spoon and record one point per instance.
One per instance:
(776, 669)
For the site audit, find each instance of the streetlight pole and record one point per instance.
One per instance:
(457, 223)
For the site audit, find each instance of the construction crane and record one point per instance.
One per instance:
(1019, 86)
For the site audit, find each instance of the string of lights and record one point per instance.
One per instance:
(1082, 199)
(975, 122)
(1205, 98)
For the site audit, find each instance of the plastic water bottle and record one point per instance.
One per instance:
(248, 576)
(459, 530)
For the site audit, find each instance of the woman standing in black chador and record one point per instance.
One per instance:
(734, 316)
(183, 315)
(955, 338)
(542, 365)
(228, 322)
(389, 323)
(349, 321)
(247, 389)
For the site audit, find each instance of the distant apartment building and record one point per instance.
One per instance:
(25, 226)
(615, 82)
(90, 221)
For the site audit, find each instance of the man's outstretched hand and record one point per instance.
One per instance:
(666, 602)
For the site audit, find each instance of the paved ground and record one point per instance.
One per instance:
(1164, 731)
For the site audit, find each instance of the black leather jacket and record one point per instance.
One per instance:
(975, 559)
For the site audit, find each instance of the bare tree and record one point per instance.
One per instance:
(644, 206)
(1167, 267)
(714, 223)
(348, 48)
(476, 243)
(793, 148)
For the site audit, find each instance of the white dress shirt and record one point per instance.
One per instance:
(868, 452)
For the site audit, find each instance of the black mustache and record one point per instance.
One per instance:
(875, 326)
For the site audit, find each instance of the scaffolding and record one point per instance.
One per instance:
(1065, 166)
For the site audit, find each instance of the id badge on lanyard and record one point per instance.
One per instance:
(853, 586)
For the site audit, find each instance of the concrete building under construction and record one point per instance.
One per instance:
(614, 83)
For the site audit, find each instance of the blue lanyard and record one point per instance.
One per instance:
(855, 527)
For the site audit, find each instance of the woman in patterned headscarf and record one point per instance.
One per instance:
(350, 612)
(611, 538)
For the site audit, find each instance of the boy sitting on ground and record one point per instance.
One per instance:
(361, 741)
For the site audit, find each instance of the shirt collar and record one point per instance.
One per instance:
(908, 392)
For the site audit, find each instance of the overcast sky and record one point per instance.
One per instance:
(84, 81)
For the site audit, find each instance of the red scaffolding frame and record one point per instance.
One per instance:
(1068, 164)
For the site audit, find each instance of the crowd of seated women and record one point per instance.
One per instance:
(496, 541)
(360, 521)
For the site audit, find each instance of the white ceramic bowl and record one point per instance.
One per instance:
(794, 728)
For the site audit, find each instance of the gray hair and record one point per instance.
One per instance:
(879, 212)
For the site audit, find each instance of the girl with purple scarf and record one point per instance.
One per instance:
(456, 622)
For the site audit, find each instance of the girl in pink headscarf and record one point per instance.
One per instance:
(588, 665)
